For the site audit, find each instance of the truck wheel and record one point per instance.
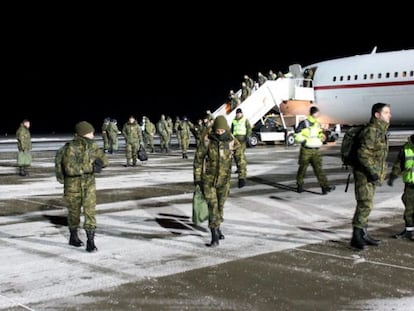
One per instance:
(290, 140)
(253, 141)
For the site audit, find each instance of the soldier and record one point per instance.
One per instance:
(163, 131)
(113, 132)
(81, 159)
(148, 133)
(24, 146)
(177, 124)
(404, 164)
(212, 171)
(241, 129)
(245, 92)
(105, 134)
(133, 140)
(369, 171)
(309, 134)
(184, 132)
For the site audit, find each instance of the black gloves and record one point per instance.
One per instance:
(97, 165)
(391, 179)
(373, 178)
(242, 183)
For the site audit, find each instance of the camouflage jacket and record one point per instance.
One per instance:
(213, 160)
(373, 150)
(24, 139)
(132, 132)
(79, 156)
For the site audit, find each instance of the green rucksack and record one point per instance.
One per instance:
(59, 170)
(349, 148)
(350, 145)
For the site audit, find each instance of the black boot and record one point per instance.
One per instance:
(368, 239)
(327, 189)
(404, 235)
(90, 243)
(300, 188)
(214, 238)
(357, 241)
(220, 234)
(22, 171)
(74, 238)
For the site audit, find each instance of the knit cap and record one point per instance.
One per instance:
(220, 122)
(82, 128)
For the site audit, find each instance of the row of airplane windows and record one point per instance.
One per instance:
(396, 74)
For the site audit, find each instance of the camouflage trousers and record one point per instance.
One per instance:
(314, 158)
(131, 150)
(364, 195)
(216, 197)
(81, 192)
(184, 143)
(243, 143)
(408, 200)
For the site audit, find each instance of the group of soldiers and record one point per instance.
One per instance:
(141, 135)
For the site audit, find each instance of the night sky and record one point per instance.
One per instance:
(89, 69)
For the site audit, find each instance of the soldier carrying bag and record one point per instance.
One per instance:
(142, 154)
(200, 206)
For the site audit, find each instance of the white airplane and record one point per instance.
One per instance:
(346, 88)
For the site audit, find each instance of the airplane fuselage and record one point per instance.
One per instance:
(346, 88)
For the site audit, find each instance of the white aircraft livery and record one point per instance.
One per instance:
(346, 88)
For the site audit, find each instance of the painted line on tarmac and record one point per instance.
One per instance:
(357, 259)
(17, 303)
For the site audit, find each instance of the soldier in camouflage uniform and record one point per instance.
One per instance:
(149, 132)
(404, 164)
(81, 159)
(370, 170)
(177, 125)
(133, 139)
(309, 134)
(212, 171)
(184, 132)
(113, 132)
(105, 134)
(24, 146)
(163, 131)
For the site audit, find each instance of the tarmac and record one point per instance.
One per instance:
(282, 250)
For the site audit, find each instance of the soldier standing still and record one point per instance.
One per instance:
(81, 159)
(370, 171)
(309, 134)
(24, 146)
(404, 164)
(212, 171)
(133, 140)
(113, 132)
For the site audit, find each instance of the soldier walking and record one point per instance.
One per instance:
(133, 139)
(212, 171)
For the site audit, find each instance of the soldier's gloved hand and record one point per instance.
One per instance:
(241, 183)
(97, 165)
(391, 179)
(198, 183)
(373, 178)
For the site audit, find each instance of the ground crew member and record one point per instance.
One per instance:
(241, 128)
(370, 171)
(212, 171)
(24, 146)
(404, 164)
(82, 158)
(133, 139)
(310, 135)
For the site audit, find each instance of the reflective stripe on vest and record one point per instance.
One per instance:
(239, 127)
(313, 141)
(408, 173)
